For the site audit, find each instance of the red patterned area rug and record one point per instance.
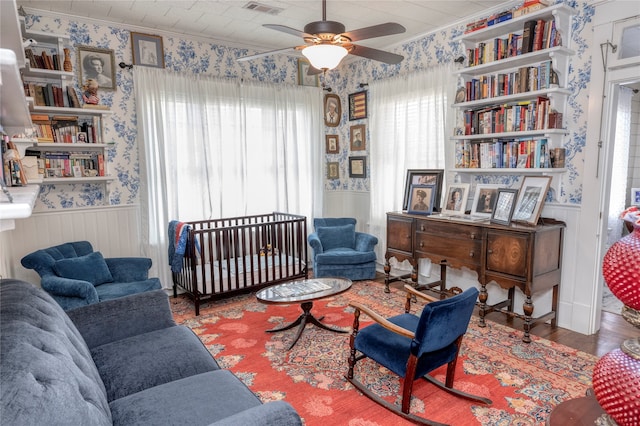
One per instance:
(525, 381)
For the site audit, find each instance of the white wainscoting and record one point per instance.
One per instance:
(348, 204)
(114, 231)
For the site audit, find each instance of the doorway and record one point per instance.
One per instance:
(625, 171)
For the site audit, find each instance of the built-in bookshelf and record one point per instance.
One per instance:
(512, 94)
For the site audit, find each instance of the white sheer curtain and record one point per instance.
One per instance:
(619, 174)
(212, 148)
(409, 130)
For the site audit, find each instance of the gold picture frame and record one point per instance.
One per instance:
(147, 50)
(97, 64)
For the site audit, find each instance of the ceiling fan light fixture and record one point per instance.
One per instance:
(324, 56)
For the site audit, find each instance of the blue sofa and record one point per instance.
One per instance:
(340, 251)
(120, 362)
(75, 275)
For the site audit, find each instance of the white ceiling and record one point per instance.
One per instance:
(227, 22)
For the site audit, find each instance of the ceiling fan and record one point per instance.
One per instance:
(327, 42)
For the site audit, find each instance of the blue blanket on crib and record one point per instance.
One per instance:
(178, 232)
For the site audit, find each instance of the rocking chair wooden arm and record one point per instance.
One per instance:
(382, 321)
(413, 292)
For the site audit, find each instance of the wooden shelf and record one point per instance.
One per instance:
(511, 170)
(506, 99)
(513, 135)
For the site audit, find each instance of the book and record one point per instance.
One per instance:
(74, 102)
(527, 36)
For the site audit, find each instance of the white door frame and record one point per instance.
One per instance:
(598, 161)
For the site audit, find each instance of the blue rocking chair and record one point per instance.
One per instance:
(412, 346)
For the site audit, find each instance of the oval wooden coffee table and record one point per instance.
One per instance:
(303, 292)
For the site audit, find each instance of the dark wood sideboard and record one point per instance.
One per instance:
(526, 257)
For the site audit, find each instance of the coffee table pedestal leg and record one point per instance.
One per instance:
(303, 319)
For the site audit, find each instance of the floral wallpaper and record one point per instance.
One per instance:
(200, 57)
(438, 48)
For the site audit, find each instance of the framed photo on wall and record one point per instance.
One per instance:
(97, 64)
(147, 50)
(304, 79)
(332, 110)
(358, 137)
(424, 177)
(531, 196)
(456, 198)
(421, 199)
(358, 105)
(484, 200)
(505, 203)
(332, 144)
(333, 170)
(358, 167)
(635, 196)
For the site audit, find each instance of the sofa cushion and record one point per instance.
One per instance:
(197, 400)
(91, 267)
(127, 366)
(47, 373)
(341, 256)
(337, 236)
(110, 291)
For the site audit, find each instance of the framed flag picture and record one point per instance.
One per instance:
(358, 105)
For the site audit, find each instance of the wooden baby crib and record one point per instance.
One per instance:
(236, 255)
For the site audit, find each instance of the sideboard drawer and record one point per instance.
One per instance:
(451, 248)
(464, 232)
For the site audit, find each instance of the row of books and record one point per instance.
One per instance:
(536, 35)
(12, 172)
(53, 164)
(524, 116)
(503, 154)
(43, 60)
(50, 94)
(67, 128)
(525, 79)
(496, 18)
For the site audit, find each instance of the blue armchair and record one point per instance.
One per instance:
(75, 275)
(340, 251)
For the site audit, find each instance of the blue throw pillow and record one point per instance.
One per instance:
(337, 236)
(91, 267)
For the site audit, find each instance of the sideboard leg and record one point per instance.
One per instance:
(387, 273)
(483, 304)
(527, 307)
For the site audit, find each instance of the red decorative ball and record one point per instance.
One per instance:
(616, 384)
(621, 269)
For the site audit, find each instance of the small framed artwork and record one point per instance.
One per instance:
(333, 170)
(358, 167)
(531, 196)
(456, 198)
(358, 105)
(503, 209)
(147, 50)
(332, 143)
(332, 110)
(304, 79)
(484, 200)
(81, 137)
(358, 137)
(635, 196)
(424, 177)
(461, 95)
(97, 64)
(421, 199)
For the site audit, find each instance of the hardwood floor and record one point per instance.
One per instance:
(613, 330)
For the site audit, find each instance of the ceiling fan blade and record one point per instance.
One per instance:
(375, 31)
(288, 30)
(260, 55)
(375, 54)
